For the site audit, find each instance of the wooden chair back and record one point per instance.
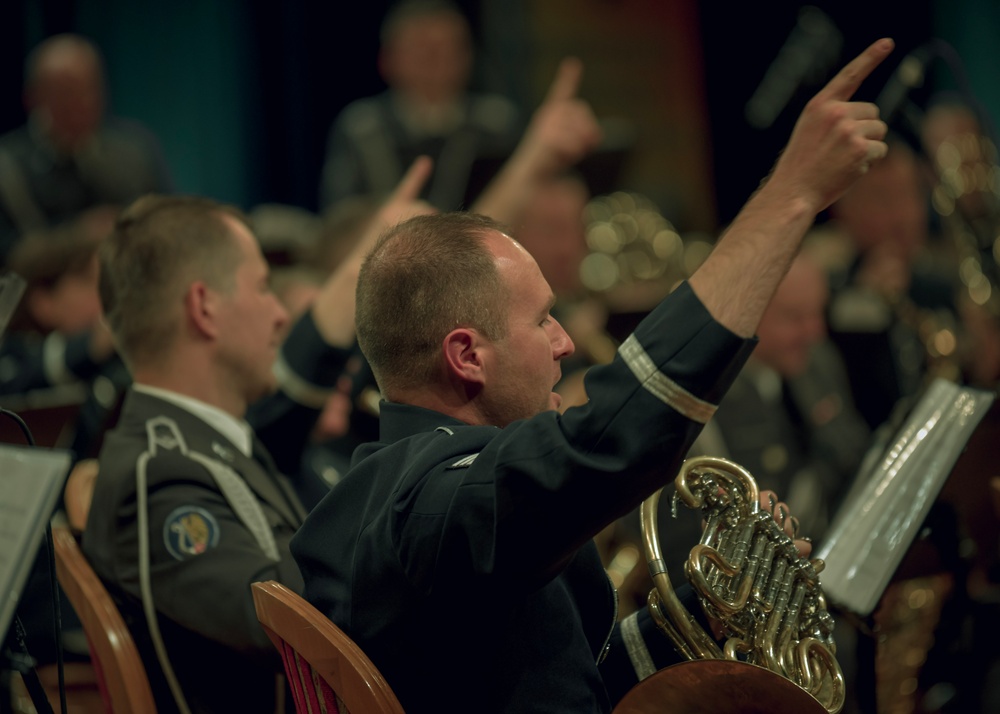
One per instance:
(326, 669)
(79, 492)
(120, 671)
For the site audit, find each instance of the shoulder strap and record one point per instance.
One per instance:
(164, 434)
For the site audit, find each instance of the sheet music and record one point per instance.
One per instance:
(31, 480)
(894, 493)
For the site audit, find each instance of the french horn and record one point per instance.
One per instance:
(749, 577)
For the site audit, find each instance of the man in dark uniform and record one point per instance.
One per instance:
(71, 156)
(893, 300)
(457, 551)
(426, 61)
(189, 508)
(184, 288)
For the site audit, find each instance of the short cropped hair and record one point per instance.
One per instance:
(160, 245)
(424, 278)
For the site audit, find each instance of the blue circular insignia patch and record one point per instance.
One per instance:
(190, 531)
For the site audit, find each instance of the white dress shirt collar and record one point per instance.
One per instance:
(236, 430)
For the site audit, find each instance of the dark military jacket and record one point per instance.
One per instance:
(460, 557)
(209, 536)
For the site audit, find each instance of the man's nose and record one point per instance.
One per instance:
(562, 344)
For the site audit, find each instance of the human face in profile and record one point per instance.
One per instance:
(526, 363)
(251, 321)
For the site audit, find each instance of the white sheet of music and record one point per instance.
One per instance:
(31, 480)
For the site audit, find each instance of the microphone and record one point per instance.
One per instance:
(805, 58)
(893, 100)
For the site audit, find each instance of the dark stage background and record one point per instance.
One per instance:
(242, 93)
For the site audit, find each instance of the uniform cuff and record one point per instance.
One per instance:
(307, 368)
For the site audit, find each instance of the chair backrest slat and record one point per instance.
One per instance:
(353, 683)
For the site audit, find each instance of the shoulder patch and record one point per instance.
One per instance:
(190, 531)
(464, 462)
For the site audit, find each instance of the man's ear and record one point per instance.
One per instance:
(201, 306)
(463, 355)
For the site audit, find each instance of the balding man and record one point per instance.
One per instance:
(458, 550)
(70, 156)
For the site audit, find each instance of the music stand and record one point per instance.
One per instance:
(896, 537)
(31, 480)
(893, 493)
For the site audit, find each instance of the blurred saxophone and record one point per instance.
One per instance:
(749, 577)
(967, 197)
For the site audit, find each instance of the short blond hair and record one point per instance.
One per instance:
(160, 245)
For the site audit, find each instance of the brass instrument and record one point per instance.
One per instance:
(635, 255)
(749, 577)
(967, 198)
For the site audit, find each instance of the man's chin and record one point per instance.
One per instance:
(265, 389)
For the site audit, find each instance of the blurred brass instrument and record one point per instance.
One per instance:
(636, 256)
(749, 577)
(967, 197)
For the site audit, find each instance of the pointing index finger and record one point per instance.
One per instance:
(846, 83)
(413, 182)
(567, 80)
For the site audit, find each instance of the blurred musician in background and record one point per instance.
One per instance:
(70, 155)
(426, 60)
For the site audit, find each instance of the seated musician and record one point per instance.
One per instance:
(184, 288)
(457, 552)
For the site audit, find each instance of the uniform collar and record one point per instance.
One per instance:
(398, 421)
(236, 430)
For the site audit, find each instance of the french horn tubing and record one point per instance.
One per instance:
(748, 576)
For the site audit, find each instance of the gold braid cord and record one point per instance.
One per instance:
(749, 577)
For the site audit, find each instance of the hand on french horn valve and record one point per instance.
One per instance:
(783, 517)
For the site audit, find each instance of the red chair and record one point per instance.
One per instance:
(326, 669)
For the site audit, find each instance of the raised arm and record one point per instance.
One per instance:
(333, 310)
(833, 143)
(562, 131)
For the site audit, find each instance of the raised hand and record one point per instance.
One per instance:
(333, 310)
(403, 202)
(563, 129)
(835, 139)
